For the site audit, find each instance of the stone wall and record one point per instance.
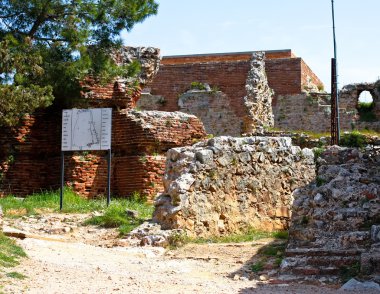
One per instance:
(213, 109)
(299, 102)
(336, 219)
(225, 185)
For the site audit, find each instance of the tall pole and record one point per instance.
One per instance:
(335, 119)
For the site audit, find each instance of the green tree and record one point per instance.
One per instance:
(48, 46)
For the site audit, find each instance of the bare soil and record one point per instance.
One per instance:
(66, 257)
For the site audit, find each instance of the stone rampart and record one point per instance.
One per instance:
(225, 185)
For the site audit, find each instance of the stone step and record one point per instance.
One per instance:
(322, 252)
(319, 262)
(314, 271)
(332, 261)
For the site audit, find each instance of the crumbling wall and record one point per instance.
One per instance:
(258, 101)
(226, 185)
(349, 101)
(229, 72)
(336, 219)
(123, 92)
(30, 152)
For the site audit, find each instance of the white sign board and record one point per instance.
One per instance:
(86, 129)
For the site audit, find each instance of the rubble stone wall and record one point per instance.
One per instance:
(258, 101)
(225, 185)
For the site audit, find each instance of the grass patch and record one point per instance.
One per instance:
(250, 235)
(273, 250)
(49, 201)
(115, 215)
(15, 275)
(10, 253)
(257, 266)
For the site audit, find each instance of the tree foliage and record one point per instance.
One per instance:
(48, 46)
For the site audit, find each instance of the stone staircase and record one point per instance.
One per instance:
(319, 262)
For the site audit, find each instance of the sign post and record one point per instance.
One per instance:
(86, 130)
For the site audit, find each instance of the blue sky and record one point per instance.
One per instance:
(305, 26)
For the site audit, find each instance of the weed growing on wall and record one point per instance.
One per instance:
(197, 86)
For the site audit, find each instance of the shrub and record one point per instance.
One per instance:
(353, 139)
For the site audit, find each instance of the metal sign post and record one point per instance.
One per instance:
(109, 178)
(85, 130)
(62, 179)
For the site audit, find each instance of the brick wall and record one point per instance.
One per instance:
(175, 79)
(30, 154)
(307, 75)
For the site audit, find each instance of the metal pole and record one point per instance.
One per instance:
(334, 129)
(336, 77)
(109, 178)
(62, 179)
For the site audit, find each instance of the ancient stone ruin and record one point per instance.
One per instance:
(222, 185)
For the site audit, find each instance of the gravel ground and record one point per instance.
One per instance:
(80, 261)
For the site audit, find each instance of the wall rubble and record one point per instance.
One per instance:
(226, 185)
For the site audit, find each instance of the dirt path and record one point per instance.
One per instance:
(74, 262)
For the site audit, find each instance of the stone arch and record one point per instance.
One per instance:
(365, 96)
(365, 115)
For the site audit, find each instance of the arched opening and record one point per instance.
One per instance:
(366, 106)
